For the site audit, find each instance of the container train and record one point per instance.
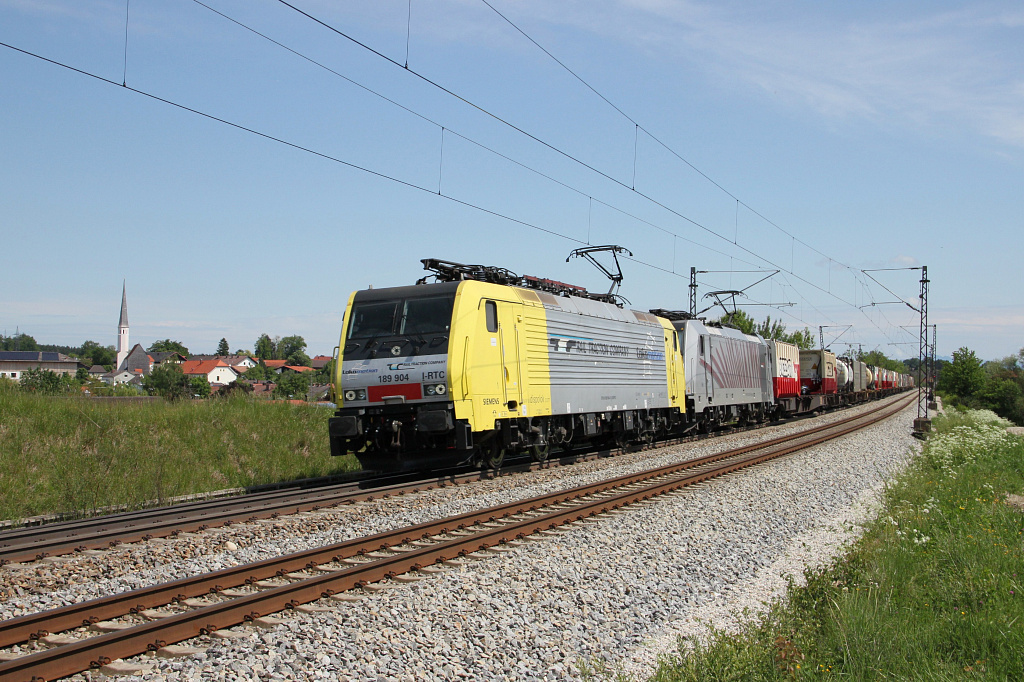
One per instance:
(482, 364)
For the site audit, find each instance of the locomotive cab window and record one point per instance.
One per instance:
(427, 315)
(491, 313)
(373, 319)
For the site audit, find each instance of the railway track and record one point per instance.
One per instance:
(36, 542)
(32, 543)
(153, 618)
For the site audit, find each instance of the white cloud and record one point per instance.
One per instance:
(942, 71)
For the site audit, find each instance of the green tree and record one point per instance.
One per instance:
(1003, 390)
(963, 377)
(877, 358)
(802, 338)
(293, 385)
(93, 353)
(222, 347)
(289, 346)
(47, 382)
(1003, 395)
(199, 387)
(169, 381)
(325, 375)
(82, 375)
(740, 320)
(18, 342)
(235, 388)
(769, 329)
(265, 348)
(169, 346)
(258, 373)
(298, 359)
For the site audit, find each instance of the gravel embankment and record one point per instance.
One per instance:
(616, 591)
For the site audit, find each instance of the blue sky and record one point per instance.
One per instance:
(818, 138)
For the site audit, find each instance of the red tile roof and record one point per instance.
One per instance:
(204, 367)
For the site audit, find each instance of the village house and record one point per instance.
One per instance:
(298, 369)
(124, 376)
(217, 372)
(275, 365)
(140, 361)
(240, 362)
(13, 363)
(320, 361)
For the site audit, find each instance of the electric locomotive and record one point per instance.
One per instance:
(483, 363)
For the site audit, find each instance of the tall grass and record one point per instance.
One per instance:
(65, 454)
(932, 591)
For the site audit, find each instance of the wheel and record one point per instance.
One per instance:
(540, 451)
(495, 456)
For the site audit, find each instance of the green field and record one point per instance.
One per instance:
(70, 454)
(932, 591)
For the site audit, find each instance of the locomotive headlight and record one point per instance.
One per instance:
(435, 389)
(350, 395)
(361, 394)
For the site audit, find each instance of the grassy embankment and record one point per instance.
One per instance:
(64, 454)
(932, 591)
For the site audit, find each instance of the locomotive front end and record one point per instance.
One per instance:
(394, 407)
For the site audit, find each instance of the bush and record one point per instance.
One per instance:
(46, 382)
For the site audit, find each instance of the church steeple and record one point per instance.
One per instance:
(122, 329)
(124, 305)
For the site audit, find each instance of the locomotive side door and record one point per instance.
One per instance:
(509, 318)
(676, 384)
(482, 378)
(707, 360)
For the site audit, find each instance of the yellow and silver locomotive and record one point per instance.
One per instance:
(483, 363)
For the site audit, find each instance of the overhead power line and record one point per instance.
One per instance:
(308, 150)
(739, 202)
(445, 129)
(638, 126)
(437, 191)
(576, 160)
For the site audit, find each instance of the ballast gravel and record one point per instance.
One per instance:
(614, 594)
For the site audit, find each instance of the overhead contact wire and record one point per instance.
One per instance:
(640, 127)
(460, 135)
(681, 158)
(561, 152)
